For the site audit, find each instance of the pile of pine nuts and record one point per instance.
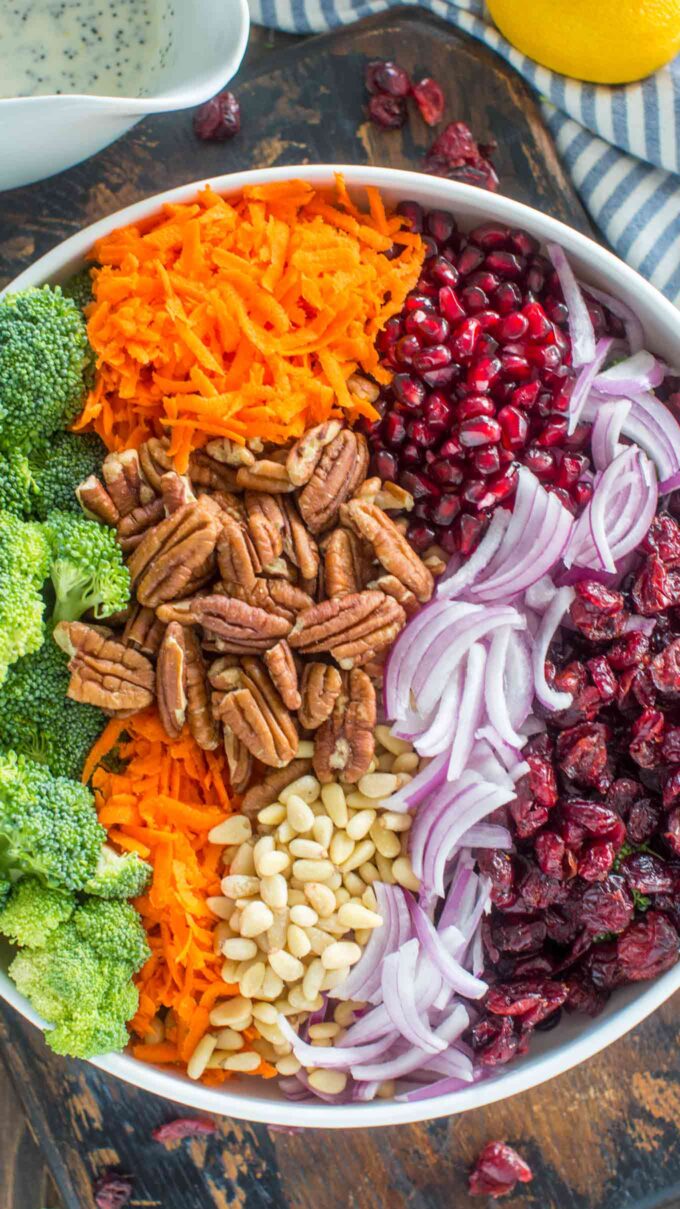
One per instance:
(298, 907)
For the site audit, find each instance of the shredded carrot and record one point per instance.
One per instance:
(245, 315)
(163, 805)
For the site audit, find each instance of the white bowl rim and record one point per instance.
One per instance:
(622, 1017)
(182, 97)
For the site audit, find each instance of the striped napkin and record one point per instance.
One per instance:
(621, 144)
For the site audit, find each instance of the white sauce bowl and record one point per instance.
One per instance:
(577, 1037)
(42, 135)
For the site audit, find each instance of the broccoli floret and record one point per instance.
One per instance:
(79, 288)
(44, 353)
(24, 566)
(88, 571)
(5, 890)
(48, 825)
(33, 911)
(80, 981)
(38, 720)
(59, 466)
(119, 875)
(18, 488)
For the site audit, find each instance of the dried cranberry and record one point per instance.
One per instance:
(387, 111)
(494, 1040)
(550, 849)
(594, 818)
(629, 651)
(602, 966)
(663, 538)
(520, 934)
(606, 906)
(665, 669)
(648, 947)
(647, 873)
(595, 623)
(111, 1190)
(218, 119)
(643, 821)
(382, 75)
(653, 589)
(456, 155)
(582, 753)
(183, 1127)
(671, 789)
(672, 831)
(497, 1170)
(583, 995)
(429, 98)
(604, 600)
(603, 677)
(596, 860)
(539, 890)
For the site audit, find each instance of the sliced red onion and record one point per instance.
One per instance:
(398, 987)
(437, 737)
(413, 1059)
(507, 755)
(420, 642)
(462, 892)
(333, 1057)
(470, 712)
(441, 1087)
(497, 688)
(634, 374)
(453, 584)
(581, 330)
(452, 972)
(618, 515)
(539, 594)
(605, 437)
(634, 330)
(584, 383)
(449, 828)
(363, 980)
(488, 835)
(549, 697)
(654, 428)
(443, 656)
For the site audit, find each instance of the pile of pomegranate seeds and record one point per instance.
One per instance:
(590, 899)
(498, 1170)
(482, 381)
(390, 85)
(219, 119)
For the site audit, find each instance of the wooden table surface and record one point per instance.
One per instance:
(603, 1136)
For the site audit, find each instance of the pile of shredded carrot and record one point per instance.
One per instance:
(162, 806)
(243, 317)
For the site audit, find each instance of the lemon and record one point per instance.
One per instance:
(604, 41)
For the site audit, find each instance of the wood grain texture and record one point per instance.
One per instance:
(601, 1137)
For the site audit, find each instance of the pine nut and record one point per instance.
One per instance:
(234, 830)
(284, 833)
(406, 762)
(215, 1061)
(323, 1032)
(307, 850)
(389, 741)
(199, 1059)
(378, 784)
(305, 749)
(363, 852)
(235, 922)
(272, 1035)
(345, 1014)
(273, 862)
(362, 936)
(342, 896)
(335, 802)
(342, 953)
(288, 1065)
(331, 1082)
(252, 979)
(353, 883)
(289, 968)
(228, 1038)
(322, 830)
(299, 814)
(341, 847)
(334, 882)
(306, 787)
(271, 816)
(155, 1031)
(403, 779)
(369, 900)
(312, 980)
(239, 885)
(222, 932)
(386, 1090)
(274, 891)
(265, 1048)
(354, 915)
(300, 1004)
(282, 1050)
(330, 924)
(264, 1012)
(243, 861)
(298, 941)
(271, 987)
(321, 898)
(239, 949)
(334, 978)
(313, 871)
(360, 824)
(246, 1062)
(263, 847)
(359, 801)
(404, 875)
(256, 918)
(237, 1013)
(229, 970)
(296, 898)
(385, 762)
(276, 935)
(395, 822)
(385, 873)
(303, 915)
(387, 842)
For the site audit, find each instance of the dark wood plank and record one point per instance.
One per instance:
(305, 104)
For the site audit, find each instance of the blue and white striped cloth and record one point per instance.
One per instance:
(620, 144)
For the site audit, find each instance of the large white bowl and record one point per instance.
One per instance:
(576, 1038)
(205, 42)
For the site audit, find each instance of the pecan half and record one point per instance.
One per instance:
(170, 553)
(275, 596)
(388, 496)
(363, 388)
(143, 631)
(269, 789)
(199, 712)
(237, 557)
(340, 470)
(228, 502)
(352, 627)
(206, 471)
(298, 544)
(391, 586)
(229, 453)
(96, 502)
(132, 528)
(257, 716)
(345, 744)
(266, 475)
(305, 455)
(171, 694)
(241, 627)
(124, 481)
(345, 565)
(266, 525)
(390, 546)
(155, 461)
(281, 667)
(320, 689)
(105, 672)
(175, 492)
(239, 760)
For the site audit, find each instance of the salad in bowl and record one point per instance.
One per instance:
(339, 646)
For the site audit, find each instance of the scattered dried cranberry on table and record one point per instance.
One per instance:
(218, 119)
(111, 1190)
(497, 1171)
(183, 1127)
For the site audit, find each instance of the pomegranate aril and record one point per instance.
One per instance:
(540, 327)
(440, 224)
(570, 467)
(490, 235)
(486, 460)
(406, 348)
(514, 366)
(412, 211)
(469, 532)
(438, 412)
(582, 493)
(474, 299)
(522, 242)
(507, 297)
(553, 434)
(431, 249)
(514, 326)
(421, 434)
(418, 302)
(410, 455)
(445, 510)
(420, 486)
(444, 376)
(450, 448)
(394, 429)
(421, 536)
(483, 430)
(443, 271)
(447, 474)
(525, 396)
(409, 391)
(503, 485)
(435, 357)
(483, 280)
(506, 264)
(545, 356)
(386, 465)
(470, 259)
(483, 373)
(432, 329)
(387, 111)
(449, 305)
(478, 493)
(489, 322)
(514, 427)
(465, 339)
